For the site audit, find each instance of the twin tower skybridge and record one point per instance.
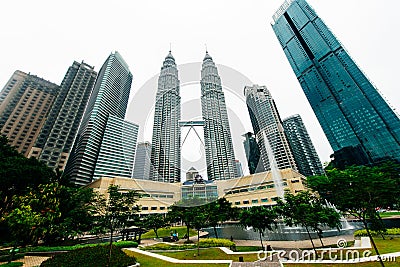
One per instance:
(191, 125)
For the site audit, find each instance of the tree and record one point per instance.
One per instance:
(40, 208)
(18, 175)
(185, 211)
(359, 190)
(259, 218)
(200, 218)
(306, 210)
(117, 210)
(155, 222)
(220, 211)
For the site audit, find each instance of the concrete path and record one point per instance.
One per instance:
(173, 260)
(294, 244)
(32, 261)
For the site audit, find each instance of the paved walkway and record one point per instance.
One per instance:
(295, 244)
(32, 261)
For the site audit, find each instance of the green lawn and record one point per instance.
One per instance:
(247, 248)
(147, 261)
(389, 214)
(181, 230)
(208, 254)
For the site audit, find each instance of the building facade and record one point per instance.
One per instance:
(117, 150)
(307, 160)
(200, 189)
(58, 133)
(352, 113)
(109, 97)
(220, 156)
(243, 192)
(238, 168)
(267, 126)
(25, 102)
(141, 169)
(252, 152)
(166, 140)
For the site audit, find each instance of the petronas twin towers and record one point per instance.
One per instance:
(166, 141)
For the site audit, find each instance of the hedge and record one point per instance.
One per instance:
(391, 231)
(204, 243)
(89, 257)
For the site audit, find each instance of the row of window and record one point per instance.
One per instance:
(153, 208)
(255, 201)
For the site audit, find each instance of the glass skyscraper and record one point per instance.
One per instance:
(307, 160)
(220, 157)
(360, 126)
(141, 170)
(252, 152)
(109, 98)
(267, 126)
(166, 141)
(117, 150)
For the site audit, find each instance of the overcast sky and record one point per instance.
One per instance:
(45, 37)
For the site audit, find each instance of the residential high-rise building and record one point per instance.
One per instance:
(220, 157)
(238, 168)
(58, 133)
(141, 169)
(252, 152)
(267, 126)
(117, 150)
(166, 141)
(25, 102)
(307, 160)
(353, 115)
(109, 97)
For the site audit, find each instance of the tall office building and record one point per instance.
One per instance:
(109, 97)
(238, 168)
(117, 150)
(58, 133)
(360, 126)
(166, 141)
(307, 160)
(25, 102)
(220, 157)
(141, 170)
(252, 152)
(267, 126)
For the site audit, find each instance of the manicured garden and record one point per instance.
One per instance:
(166, 231)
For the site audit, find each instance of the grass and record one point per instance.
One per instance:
(147, 261)
(247, 248)
(389, 214)
(163, 232)
(12, 264)
(208, 254)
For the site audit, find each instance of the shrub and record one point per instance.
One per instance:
(90, 256)
(12, 264)
(164, 246)
(215, 242)
(391, 231)
(119, 244)
(204, 243)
